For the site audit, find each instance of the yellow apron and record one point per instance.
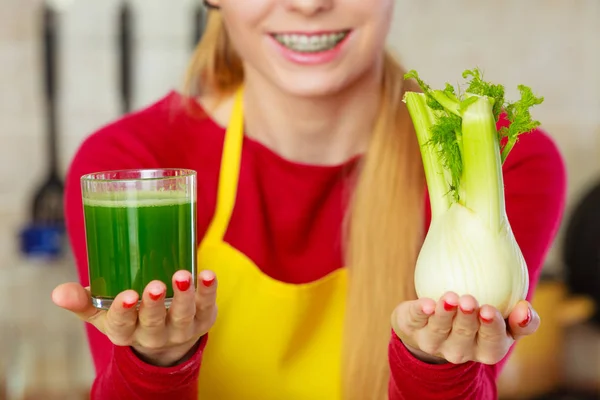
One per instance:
(272, 340)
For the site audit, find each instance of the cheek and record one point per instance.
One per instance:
(382, 21)
(245, 15)
(372, 40)
(374, 18)
(379, 17)
(243, 24)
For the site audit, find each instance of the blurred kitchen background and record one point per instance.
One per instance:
(551, 45)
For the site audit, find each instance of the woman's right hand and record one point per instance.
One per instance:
(159, 336)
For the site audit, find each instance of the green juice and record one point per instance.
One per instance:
(131, 242)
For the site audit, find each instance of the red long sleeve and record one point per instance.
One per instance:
(128, 378)
(288, 220)
(535, 185)
(413, 379)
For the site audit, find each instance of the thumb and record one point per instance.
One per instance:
(523, 320)
(410, 316)
(77, 299)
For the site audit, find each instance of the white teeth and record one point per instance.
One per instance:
(312, 43)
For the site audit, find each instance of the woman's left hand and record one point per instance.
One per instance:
(458, 330)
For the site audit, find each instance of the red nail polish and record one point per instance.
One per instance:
(486, 320)
(155, 297)
(208, 282)
(449, 307)
(129, 305)
(183, 285)
(466, 311)
(527, 319)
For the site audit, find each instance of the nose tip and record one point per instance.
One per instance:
(311, 7)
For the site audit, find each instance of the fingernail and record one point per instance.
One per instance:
(184, 285)
(155, 296)
(527, 319)
(486, 320)
(128, 305)
(466, 311)
(428, 309)
(449, 307)
(208, 282)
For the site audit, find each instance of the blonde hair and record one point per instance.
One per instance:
(385, 220)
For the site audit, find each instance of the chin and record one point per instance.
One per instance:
(312, 84)
(311, 90)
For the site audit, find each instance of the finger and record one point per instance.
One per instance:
(411, 316)
(206, 297)
(181, 315)
(523, 320)
(152, 315)
(77, 299)
(121, 318)
(492, 339)
(460, 345)
(440, 324)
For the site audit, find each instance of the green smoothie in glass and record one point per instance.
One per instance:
(140, 226)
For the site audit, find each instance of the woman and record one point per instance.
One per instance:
(326, 172)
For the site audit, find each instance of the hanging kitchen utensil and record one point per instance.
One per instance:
(125, 44)
(44, 235)
(48, 201)
(199, 25)
(581, 254)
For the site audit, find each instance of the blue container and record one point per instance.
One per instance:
(42, 241)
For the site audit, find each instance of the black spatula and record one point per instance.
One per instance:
(125, 45)
(44, 234)
(48, 199)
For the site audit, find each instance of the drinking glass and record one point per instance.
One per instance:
(140, 226)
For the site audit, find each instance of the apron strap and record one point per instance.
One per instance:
(229, 172)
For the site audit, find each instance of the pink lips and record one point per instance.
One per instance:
(317, 58)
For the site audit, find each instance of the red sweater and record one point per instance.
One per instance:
(288, 219)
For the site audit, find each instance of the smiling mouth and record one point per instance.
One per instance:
(313, 43)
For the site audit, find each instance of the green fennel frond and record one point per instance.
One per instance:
(445, 134)
(482, 88)
(519, 116)
(431, 102)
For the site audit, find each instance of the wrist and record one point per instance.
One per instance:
(425, 357)
(168, 357)
(418, 353)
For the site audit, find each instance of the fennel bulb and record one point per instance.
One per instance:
(469, 248)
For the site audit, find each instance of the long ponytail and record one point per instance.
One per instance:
(385, 220)
(385, 234)
(215, 65)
